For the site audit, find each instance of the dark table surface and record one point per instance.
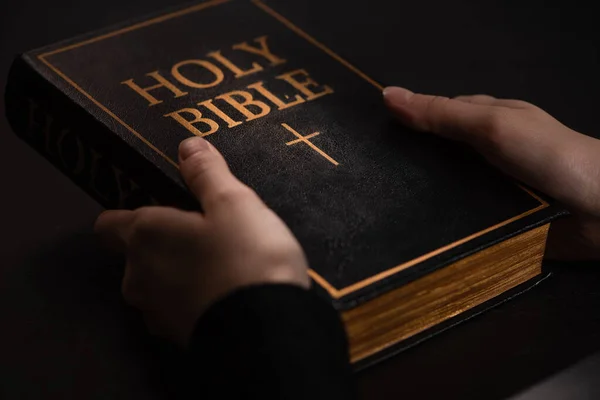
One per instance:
(579, 382)
(65, 332)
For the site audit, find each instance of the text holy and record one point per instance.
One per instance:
(235, 107)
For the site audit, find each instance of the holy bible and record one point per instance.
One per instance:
(405, 233)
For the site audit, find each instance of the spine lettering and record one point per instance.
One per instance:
(85, 164)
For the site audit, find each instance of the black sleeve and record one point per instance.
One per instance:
(271, 342)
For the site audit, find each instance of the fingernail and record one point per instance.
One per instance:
(191, 146)
(397, 95)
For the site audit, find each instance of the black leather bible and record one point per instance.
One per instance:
(405, 232)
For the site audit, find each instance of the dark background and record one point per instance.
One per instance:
(65, 332)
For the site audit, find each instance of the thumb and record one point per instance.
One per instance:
(447, 117)
(207, 175)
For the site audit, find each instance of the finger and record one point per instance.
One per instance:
(114, 228)
(440, 115)
(482, 99)
(131, 288)
(485, 100)
(152, 324)
(207, 175)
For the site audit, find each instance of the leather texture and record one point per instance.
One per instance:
(394, 196)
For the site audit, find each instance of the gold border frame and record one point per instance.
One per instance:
(334, 292)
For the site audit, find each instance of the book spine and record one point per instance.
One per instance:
(81, 147)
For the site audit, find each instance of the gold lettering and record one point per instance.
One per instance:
(94, 174)
(32, 123)
(50, 141)
(123, 193)
(303, 86)
(263, 50)
(209, 104)
(152, 201)
(216, 71)
(189, 125)
(248, 101)
(59, 146)
(46, 128)
(259, 87)
(162, 82)
(58, 141)
(234, 68)
(80, 163)
(47, 132)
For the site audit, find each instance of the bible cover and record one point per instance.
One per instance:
(374, 205)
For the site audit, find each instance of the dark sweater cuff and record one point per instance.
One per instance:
(273, 340)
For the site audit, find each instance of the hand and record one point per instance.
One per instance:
(527, 143)
(179, 263)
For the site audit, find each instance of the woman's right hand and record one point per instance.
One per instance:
(527, 143)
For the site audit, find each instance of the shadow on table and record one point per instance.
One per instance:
(67, 333)
(504, 350)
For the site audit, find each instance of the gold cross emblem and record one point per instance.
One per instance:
(304, 139)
